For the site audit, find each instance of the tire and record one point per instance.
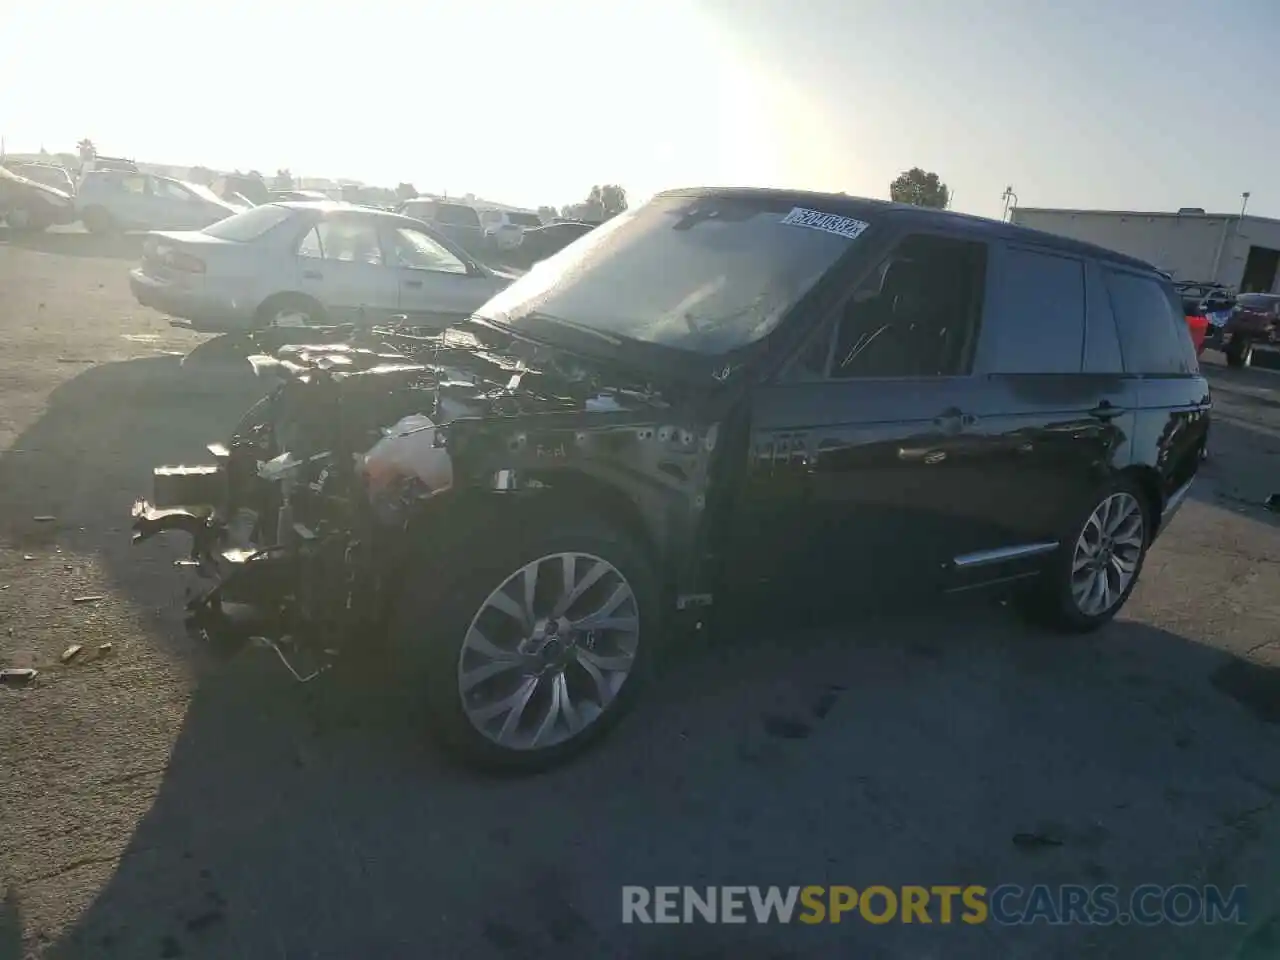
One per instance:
(1240, 354)
(444, 605)
(297, 308)
(24, 220)
(1053, 600)
(98, 221)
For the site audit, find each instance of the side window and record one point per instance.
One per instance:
(1101, 340)
(136, 186)
(311, 247)
(417, 251)
(1153, 333)
(345, 239)
(917, 315)
(169, 190)
(1038, 325)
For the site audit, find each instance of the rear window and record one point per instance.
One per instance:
(1154, 338)
(457, 215)
(251, 224)
(524, 219)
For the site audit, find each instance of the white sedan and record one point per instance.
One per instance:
(309, 263)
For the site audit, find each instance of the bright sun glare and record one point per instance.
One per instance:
(519, 102)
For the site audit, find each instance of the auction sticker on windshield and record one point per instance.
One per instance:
(827, 222)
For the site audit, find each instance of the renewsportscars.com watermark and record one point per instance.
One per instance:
(1006, 905)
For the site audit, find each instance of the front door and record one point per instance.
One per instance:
(341, 264)
(435, 286)
(864, 469)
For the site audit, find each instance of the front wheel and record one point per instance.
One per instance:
(1097, 566)
(539, 647)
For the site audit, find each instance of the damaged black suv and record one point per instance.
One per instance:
(717, 390)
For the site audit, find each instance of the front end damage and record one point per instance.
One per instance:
(308, 518)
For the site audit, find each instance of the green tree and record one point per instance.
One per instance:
(283, 180)
(202, 175)
(547, 214)
(406, 191)
(919, 188)
(608, 199)
(86, 149)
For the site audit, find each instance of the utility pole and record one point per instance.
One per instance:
(1007, 197)
(1244, 202)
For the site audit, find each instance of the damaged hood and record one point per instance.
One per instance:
(457, 374)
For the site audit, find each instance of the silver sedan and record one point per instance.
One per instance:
(305, 263)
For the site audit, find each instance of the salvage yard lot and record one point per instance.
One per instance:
(155, 804)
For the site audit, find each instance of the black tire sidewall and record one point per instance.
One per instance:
(438, 602)
(1053, 603)
(98, 220)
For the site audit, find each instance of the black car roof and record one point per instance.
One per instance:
(865, 207)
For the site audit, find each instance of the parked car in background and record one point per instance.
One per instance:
(279, 195)
(504, 228)
(231, 186)
(1255, 320)
(108, 165)
(457, 221)
(308, 263)
(1207, 306)
(27, 205)
(50, 174)
(542, 242)
(115, 201)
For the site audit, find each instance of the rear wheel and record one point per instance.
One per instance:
(1240, 354)
(1096, 568)
(25, 220)
(289, 310)
(533, 652)
(98, 220)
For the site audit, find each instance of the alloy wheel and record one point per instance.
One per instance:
(548, 651)
(1107, 552)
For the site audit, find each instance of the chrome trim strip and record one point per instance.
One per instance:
(982, 558)
(1175, 501)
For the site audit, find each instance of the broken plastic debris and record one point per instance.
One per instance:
(603, 404)
(89, 599)
(44, 518)
(277, 467)
(27, 556)
(409, 450)
(71, 652)
(18, 675)
(105, 648)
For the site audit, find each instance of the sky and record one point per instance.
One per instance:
(1127, 104)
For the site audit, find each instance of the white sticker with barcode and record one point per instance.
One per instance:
(826, 222)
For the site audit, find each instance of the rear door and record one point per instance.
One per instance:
(341, 263)
(435, 285)
(1050, 406)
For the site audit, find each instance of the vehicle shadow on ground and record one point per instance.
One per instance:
(315, 822)
(121, 246)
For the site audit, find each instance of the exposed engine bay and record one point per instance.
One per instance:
(305, 518)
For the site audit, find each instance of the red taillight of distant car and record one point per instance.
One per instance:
(1199, 326)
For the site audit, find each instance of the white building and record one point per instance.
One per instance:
(1241, 252)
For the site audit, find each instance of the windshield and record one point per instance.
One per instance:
(203, 192)
(249, 225)
(703, 274)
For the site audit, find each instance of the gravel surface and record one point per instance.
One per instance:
(156, 804)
